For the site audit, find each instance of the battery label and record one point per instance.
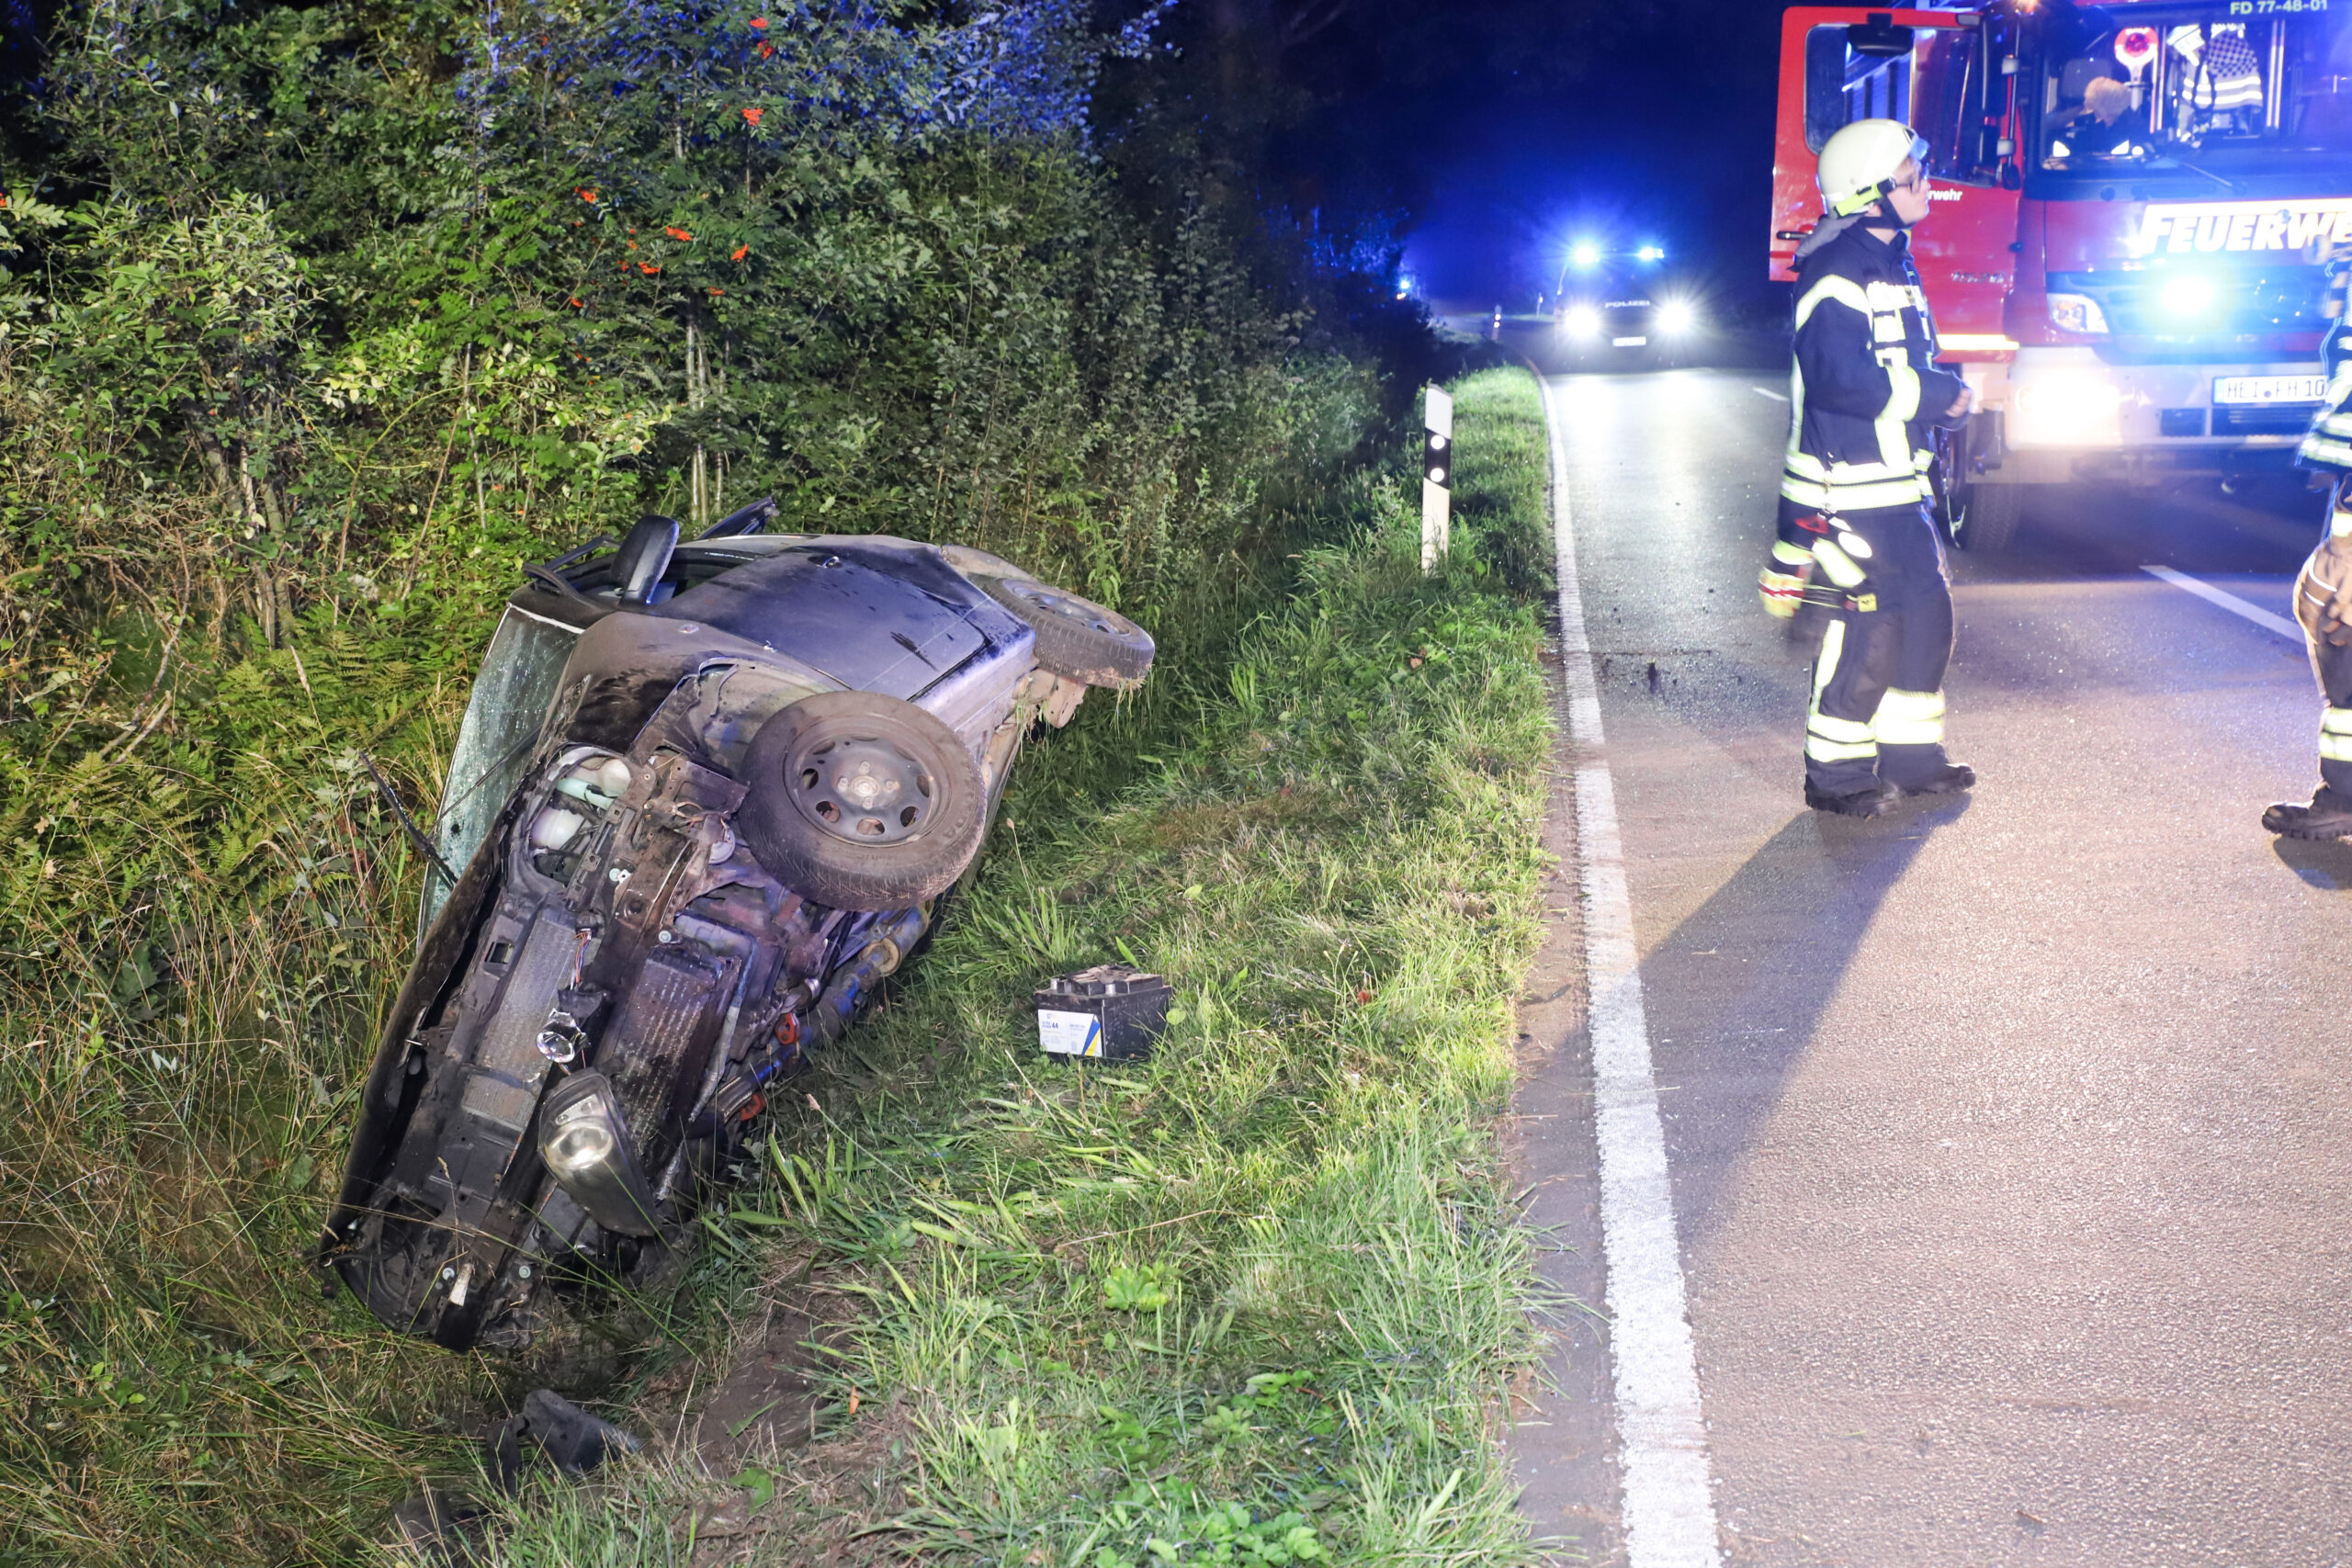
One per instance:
(1070, 1034)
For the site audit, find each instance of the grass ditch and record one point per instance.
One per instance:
(1253, 1302)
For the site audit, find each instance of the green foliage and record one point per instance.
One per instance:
(309, 333)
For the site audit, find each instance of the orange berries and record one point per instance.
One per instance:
(752, 116)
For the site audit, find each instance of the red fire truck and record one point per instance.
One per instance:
(2131, 205)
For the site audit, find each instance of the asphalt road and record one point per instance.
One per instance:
(2009, 1137)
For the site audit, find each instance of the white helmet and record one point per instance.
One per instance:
(1860, 163)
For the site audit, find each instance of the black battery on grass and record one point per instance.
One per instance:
(1108, 1013)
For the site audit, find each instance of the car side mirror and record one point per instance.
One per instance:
(1879, 38)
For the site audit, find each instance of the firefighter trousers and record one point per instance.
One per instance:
(2314, 587)
(1877, 713)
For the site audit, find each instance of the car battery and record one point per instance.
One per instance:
(1108, 1013)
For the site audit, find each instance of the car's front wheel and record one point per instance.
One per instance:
(1076, 638)
(861, 801)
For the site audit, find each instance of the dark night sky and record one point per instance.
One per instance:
(1499, 128)
(1666, 135)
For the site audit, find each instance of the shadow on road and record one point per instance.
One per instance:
(1735, 992)
(2322, 863)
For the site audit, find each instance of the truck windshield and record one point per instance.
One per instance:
(2215, 97)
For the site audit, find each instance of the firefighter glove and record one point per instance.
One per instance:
(1781, 583)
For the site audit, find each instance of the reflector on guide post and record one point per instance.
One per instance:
(1108, 1013)
(1437, 475)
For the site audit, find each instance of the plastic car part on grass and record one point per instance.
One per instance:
(706, 801)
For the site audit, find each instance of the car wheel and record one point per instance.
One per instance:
(1076, 638)
(861, 801)
(1984, 516)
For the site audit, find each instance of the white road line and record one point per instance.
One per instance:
(1768, 393)
(1669, 1511)
(2228, 601)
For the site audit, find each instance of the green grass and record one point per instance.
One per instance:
(1253, 1302)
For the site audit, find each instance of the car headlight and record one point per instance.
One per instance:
(2076, 313)
(2066, 408)
(585, 1145)
(1677, 316)
(1582, 321)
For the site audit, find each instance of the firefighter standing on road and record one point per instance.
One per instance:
(2323, 587)
(1855, 533)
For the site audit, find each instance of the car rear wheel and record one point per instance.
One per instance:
(1076, 638)
(861, 801)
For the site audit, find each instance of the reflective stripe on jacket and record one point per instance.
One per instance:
(1864, 389)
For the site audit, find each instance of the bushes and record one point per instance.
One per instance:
(315, 323)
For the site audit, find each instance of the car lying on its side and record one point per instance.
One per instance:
(707, 797)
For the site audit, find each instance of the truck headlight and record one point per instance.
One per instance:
(2066, 408)
(2076, 313)
(2190, 296)
(1677, 316)
(584, 1142)
(1582, 321)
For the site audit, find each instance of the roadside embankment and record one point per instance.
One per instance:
(1252, 1301)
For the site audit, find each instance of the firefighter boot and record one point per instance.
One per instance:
(2329, 815)
(1948, 779)
(1870, 800)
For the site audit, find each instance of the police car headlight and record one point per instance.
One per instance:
(2066, 408)
(1677, 316)
(1582, 321)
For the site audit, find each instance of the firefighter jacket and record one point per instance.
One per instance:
(2327, 445)
(1865, 391)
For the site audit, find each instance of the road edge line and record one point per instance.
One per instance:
(1668, 1505)
(2228, 601)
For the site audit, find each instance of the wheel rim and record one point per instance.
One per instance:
(862, 789)
(1071, 608)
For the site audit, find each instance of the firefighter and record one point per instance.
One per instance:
(2323, 587)
(1855, 535)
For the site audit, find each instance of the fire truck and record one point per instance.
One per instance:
(2130, 209)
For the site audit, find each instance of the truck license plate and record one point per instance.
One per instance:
(2269, 388)
(1627, 342)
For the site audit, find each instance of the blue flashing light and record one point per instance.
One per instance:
(1649, 254)
(2191, 296)
(1586, 255)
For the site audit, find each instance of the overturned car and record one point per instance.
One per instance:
(706, 796)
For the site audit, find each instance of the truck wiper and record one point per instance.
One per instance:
(2224, 182)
